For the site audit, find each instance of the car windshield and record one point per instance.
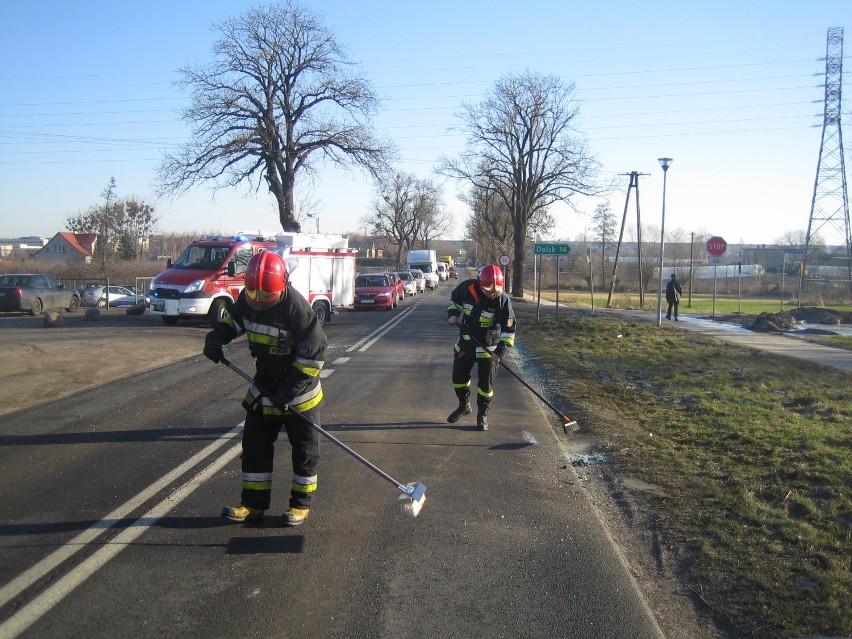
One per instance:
(371, 280)
(202, 257)
(405, 276)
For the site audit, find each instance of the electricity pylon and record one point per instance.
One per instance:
(830, 203)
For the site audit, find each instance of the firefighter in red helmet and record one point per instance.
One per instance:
(288, 345)
(484, 313)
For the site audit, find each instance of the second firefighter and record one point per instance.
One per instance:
(483, 312)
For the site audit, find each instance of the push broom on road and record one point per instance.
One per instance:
(413, 494)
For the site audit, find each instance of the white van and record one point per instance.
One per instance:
(443, 272)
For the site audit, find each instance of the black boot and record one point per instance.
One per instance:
(481, 417)
(463, 409)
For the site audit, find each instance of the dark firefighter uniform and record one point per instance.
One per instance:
(486, 326)
(288, 344)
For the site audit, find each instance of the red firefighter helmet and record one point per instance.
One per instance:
(490, 280)
(266, 279)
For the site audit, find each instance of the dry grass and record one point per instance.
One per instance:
(751, 452)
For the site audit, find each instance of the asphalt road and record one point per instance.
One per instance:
(109, 515)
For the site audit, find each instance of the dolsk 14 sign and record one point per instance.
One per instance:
(552, 249)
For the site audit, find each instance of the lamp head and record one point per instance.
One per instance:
(665, 163)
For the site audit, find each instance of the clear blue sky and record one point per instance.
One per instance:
(730, 90)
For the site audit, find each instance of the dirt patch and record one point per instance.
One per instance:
(789, 320)
(47, 363)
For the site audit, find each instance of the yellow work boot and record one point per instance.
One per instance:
(242, 513)
(295, 516)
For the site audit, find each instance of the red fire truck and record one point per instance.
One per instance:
(209, 274)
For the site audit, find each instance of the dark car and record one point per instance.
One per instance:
(375, 290)
(34, 292)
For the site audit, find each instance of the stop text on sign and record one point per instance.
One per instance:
(716, 246)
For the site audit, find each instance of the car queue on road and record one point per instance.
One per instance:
(386, 290)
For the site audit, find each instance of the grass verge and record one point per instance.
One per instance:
(751, 452)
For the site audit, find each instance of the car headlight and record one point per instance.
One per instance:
(197, 285)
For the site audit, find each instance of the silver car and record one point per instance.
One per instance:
(408, 282)
(119, 296)
(419, 279)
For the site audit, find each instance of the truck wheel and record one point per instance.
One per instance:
(321, 311)
(170, 320)
(217, 311)
(37, 307)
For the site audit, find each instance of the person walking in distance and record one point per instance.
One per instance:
(484, 313)
(288, 344)
(673, 293)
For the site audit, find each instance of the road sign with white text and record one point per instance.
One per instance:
(716, 246)
(552, 249)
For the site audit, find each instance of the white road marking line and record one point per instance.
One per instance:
(34, 610)
(381, 330)
(42, 568)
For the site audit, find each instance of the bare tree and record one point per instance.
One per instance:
(280, 94)
(604, 223)
(522, 144)
(489, 224)
(123, 226)
(797, 239)
(405, 211)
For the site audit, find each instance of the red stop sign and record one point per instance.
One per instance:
(716, 246)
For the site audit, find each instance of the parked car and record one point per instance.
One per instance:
(375, 290)
(120, 297)
(91, 292)
(419, 279)
(400, 287)
(408, 282)
(35, 292)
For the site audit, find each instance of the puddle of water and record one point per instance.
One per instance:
(838, 329)
(584, 459)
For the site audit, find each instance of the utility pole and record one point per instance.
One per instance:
(634, 183)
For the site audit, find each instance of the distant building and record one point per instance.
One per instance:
(21, 248)
(68, 247)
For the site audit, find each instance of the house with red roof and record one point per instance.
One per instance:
(67, 247)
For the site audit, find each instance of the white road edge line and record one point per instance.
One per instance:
(34, 610)
(42, 568)
(380, 332)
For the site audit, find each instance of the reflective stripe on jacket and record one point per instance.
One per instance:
(288, 345)
(489, 322)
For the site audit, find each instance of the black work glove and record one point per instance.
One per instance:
(282, 398)
(213, 347)
(499, 353)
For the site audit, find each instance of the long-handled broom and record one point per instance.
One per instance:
(567, 422)
(413, 494)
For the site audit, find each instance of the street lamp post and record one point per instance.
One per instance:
(665, 163)
(316, 218)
